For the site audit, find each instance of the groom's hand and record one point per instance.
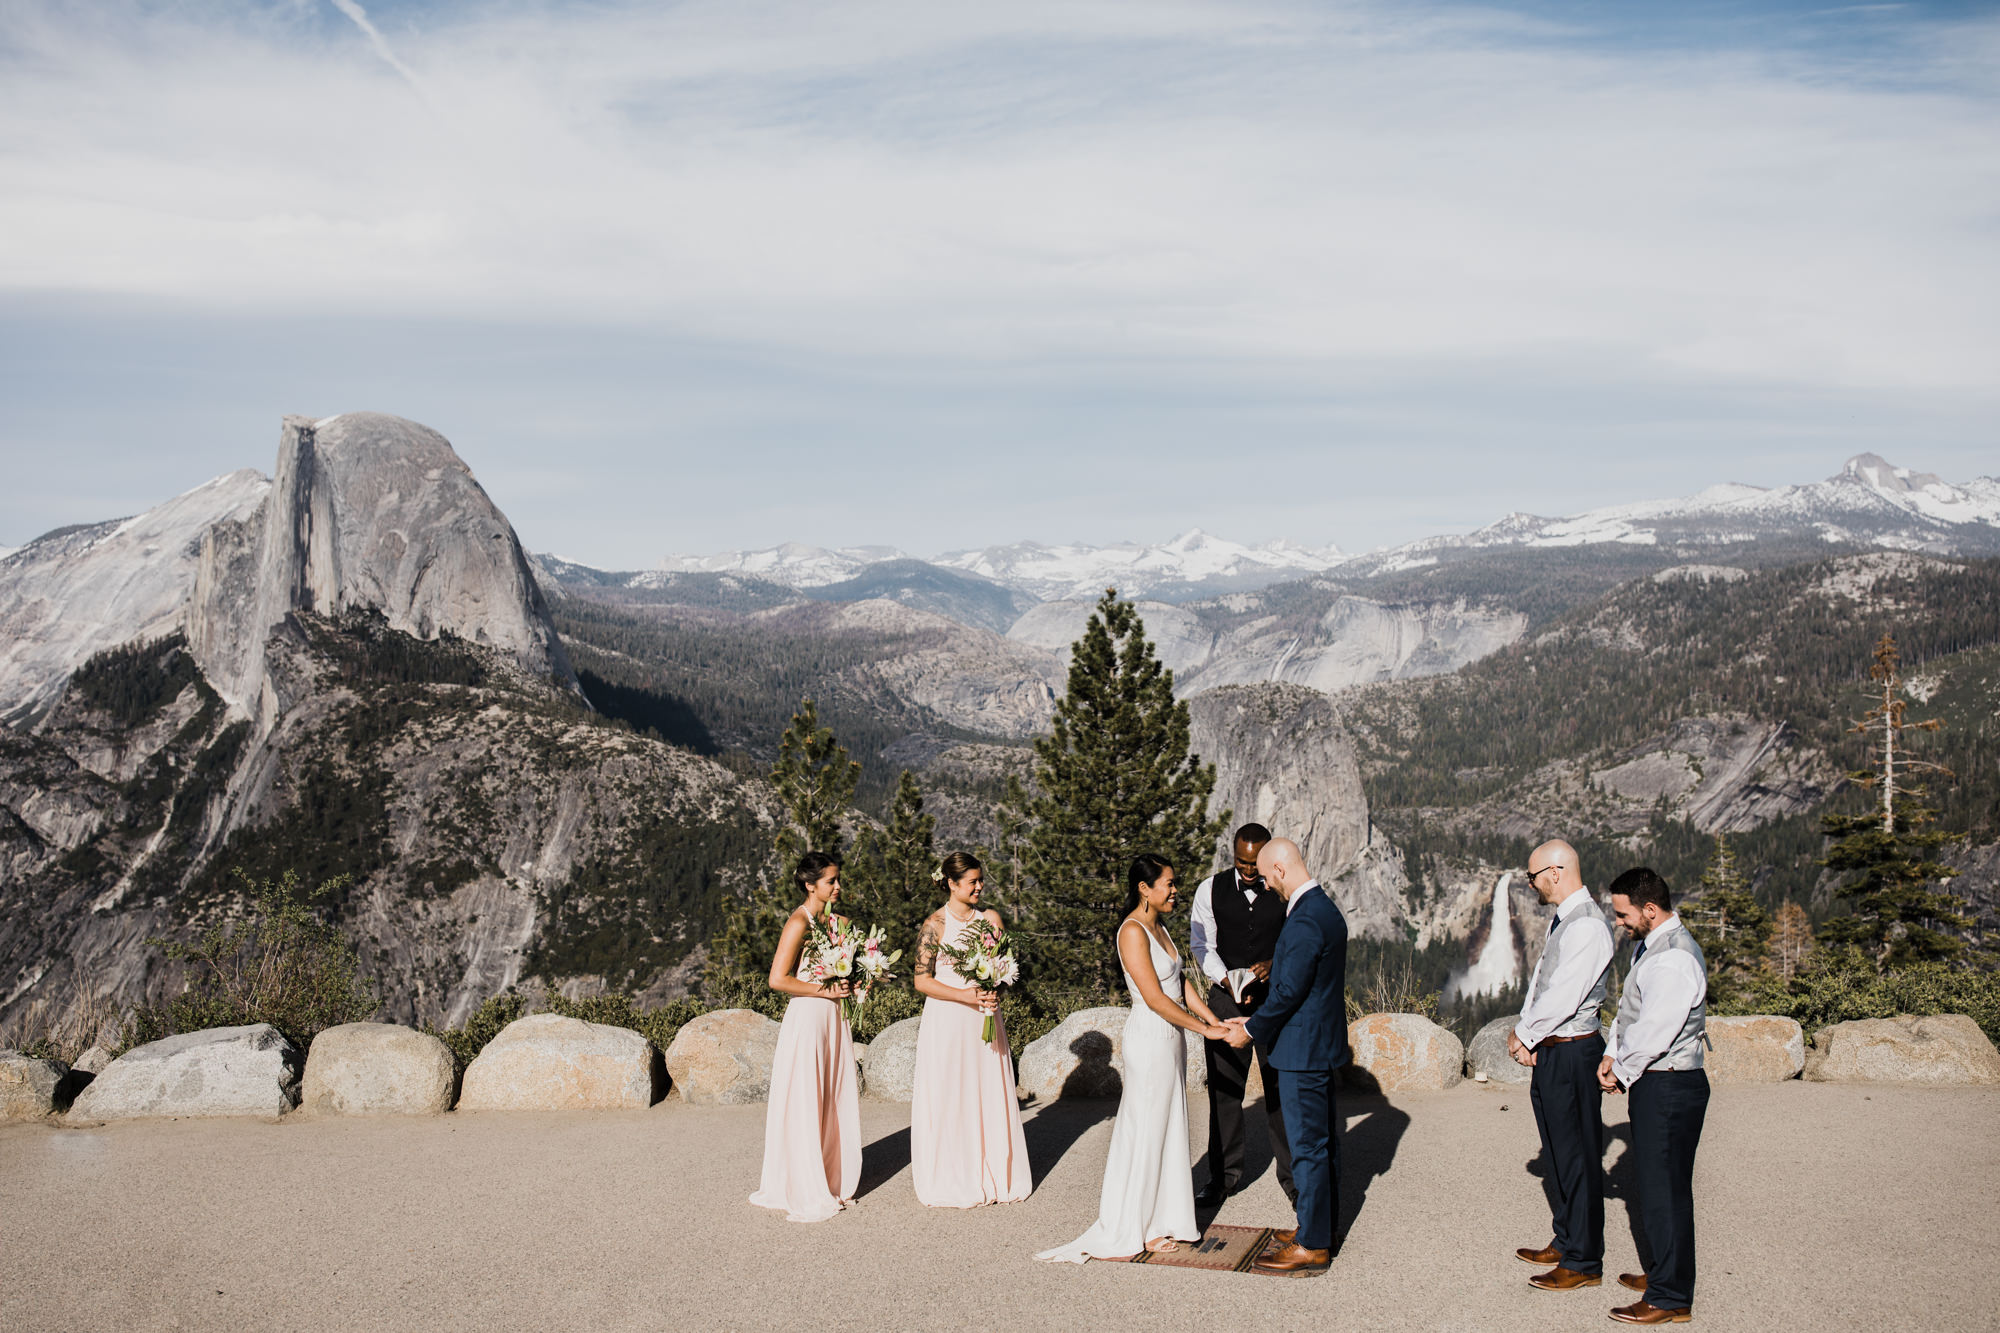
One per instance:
(1239, 1032)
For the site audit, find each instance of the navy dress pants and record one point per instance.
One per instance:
(1309, 1123)
(1667, 1112)
(1569, 1112)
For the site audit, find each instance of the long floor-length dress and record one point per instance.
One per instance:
(1148, 1182)
(812, 1126)
(966, 1145)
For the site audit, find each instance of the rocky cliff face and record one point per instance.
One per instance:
(1353, 641)
(1284, 760)
(81, 590)
(359, 682)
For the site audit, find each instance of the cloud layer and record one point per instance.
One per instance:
(1349, 203)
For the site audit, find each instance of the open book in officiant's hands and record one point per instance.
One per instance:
(1239, 980)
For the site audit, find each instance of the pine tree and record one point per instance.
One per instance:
(888, 878)
(1726, 917)
(1889, 853)
(1113, 780)
(1791, 941)
(815, 782)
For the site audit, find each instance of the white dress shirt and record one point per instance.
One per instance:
(1586, 951)
(1665, 984)
(1201, 929)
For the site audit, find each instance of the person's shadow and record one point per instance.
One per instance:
(1620, 1179)
(882, 1159)
(1089, 1096)
(1372, 1127)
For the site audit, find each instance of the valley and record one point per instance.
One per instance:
(525, 771)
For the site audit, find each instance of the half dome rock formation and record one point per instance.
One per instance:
(367, 512)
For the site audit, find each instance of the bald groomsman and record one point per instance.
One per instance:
(1560, 1035)
(1656, 1057)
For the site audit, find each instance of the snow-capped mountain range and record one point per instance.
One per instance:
(1193, 559)
(1869, 502)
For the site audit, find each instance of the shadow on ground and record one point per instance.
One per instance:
(1053, 1129)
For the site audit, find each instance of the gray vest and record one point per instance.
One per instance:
(1587, 1018)
(1686, 1052)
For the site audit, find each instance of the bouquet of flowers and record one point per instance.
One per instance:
(841, 951)
(983, 957)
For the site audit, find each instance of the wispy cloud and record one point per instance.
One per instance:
(1390, 207)
(375, 39)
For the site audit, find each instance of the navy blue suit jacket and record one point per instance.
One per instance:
(1302, 1023)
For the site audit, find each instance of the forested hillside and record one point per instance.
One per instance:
(1535, 740)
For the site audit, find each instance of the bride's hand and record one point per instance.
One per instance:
(1215, 1032)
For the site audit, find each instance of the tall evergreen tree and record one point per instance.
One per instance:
(1726, 918)
(888, 878)
(1890, 853)
(815, 781)
(1114, 779)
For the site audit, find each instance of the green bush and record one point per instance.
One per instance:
(1836, 985)
(617, 1010)
(279, 964)
(468, 1041)
(889, 1004)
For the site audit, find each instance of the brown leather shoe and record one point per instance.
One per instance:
(1565, 1279)
(1541, 1258)
(1636, 1281)
(1293, 1261)
(1280, 1239)
(1641, 1313)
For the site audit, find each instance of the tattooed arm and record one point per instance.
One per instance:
(925, 973)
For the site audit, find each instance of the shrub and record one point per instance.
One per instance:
(1392, 989)
(279, 964)
(1836, 985)
(483, 1026)
(617, 1010)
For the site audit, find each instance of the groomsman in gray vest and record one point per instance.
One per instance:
(1561, 1035)
(1656, 1057)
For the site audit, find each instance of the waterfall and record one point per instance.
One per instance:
(1497, 966)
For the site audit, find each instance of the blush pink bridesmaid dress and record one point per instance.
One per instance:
(966, 1145)
(812, 1125)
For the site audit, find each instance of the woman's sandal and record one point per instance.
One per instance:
(1162, 1245)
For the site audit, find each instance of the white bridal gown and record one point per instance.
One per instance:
(1148, 1182)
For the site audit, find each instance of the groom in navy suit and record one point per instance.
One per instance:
(1301, 1032)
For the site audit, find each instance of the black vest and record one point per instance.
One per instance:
(1245, 932)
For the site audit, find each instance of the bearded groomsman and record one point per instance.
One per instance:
(1561, 1037)
(1656, 1057)
(1233, 927)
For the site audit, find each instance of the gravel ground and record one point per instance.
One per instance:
(1820, 1207)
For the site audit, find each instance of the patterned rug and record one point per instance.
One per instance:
(1221, 1250)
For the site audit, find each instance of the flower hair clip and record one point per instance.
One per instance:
(937, 874)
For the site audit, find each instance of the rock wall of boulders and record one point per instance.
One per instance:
(547, 1062)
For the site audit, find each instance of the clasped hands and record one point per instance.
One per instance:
(1605, 1078)
(1522, 1053)
(1235, 1031)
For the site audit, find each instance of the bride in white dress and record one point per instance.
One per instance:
(1148, 1196)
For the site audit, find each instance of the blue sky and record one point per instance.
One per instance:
(688, 277)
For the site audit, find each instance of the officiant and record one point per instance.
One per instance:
(1233, 930)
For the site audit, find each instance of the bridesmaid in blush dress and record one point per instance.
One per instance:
(1148, 1195)
(966, 1146)
(812, 1125)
